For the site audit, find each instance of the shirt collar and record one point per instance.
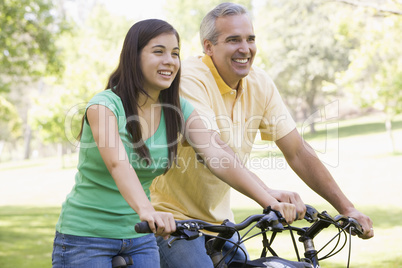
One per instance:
(223, 87)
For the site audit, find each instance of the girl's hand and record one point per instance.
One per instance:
(163, 220)
(287, 210)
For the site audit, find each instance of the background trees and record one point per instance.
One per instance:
(28, 51)
(54, 55)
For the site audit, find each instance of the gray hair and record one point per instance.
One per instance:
(208, 30)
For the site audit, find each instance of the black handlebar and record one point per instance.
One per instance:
(270, 220)
(143, 227)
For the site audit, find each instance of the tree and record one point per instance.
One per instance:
(27, 40)
(28, 30)
(90, 54)
(302, 50)
(375, 73)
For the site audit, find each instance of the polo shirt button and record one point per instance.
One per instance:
(231, 92)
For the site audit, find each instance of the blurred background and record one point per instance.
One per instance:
(337, 64)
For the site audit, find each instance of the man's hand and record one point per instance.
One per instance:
(364, 220)
(292, 198)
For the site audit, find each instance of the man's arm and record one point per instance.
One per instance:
(280, 195)
(304, 161)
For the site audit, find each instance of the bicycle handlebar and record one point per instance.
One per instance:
(191, 229)
(269, 219)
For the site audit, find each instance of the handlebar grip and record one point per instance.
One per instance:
(142, 227)
(356, 225)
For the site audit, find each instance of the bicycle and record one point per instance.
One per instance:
(121, 261)
(269, 221)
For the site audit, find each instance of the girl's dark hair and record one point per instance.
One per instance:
(127, 82)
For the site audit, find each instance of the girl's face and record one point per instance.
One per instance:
(160, 62)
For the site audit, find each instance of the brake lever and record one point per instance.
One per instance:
(345, 221)
(356, 226)
(311, 214)
(186, 231)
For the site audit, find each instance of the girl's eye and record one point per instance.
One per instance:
(158, 51)
(175, 54)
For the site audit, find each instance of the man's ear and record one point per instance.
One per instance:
(208, 47)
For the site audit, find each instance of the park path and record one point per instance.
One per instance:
(365, 171)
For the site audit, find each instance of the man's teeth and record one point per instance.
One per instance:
(241, 60)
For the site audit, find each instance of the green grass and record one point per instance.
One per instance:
(352, 128)
(26, 236)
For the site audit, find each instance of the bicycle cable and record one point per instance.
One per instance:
(350, 245)
(331, 253)
(263, 232)
(235, 245)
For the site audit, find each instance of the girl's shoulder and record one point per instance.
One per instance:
(107, 94)
(186, 107)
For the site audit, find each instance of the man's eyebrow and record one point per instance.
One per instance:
(232, 37)
(238, 36)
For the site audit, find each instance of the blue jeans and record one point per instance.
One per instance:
(192, 253)
(79, 252)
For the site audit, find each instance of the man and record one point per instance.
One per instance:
(235, 99)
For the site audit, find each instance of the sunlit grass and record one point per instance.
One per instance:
(26, 236)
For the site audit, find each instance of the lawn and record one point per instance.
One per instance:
(31, 193)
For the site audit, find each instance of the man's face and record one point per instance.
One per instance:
(234, 52)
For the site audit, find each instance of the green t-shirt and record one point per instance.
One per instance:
(95, 207)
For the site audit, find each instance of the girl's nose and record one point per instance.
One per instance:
(168, 59)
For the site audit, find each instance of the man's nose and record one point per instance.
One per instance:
(244, 47)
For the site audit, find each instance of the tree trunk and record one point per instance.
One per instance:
(2, 143)
(27, 142)
(388, 127)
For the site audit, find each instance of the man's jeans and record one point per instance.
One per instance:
(79, 252)
(192, 253)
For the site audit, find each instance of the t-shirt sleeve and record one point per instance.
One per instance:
(277, 121)
(186, 108)
(107, 99)
(194, 91)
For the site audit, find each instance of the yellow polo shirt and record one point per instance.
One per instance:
(189, 190)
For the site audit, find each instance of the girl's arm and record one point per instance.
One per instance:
(104, 128)
(225, 166)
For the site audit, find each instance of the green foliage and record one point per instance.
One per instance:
(10, 122)
(301, 49)
(28, 31)
(90, 54)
